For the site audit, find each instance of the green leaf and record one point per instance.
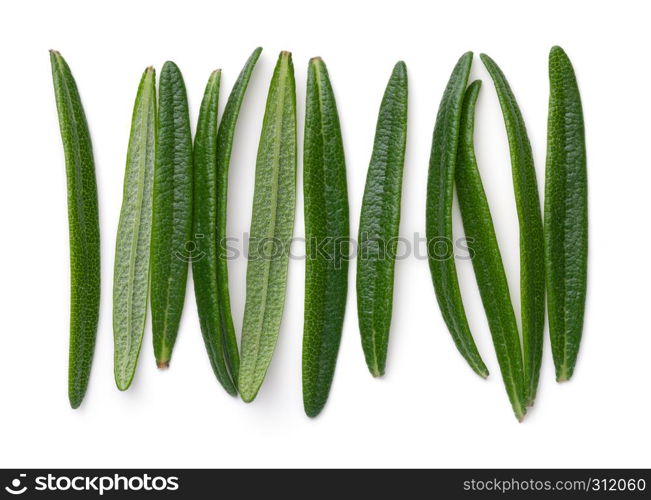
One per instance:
(204, 262)
(83, 224)
(225, 136)
(487, 259)
(131, 272)
(380, 223)
(172, 217)
(326, 235)
(272, 224)
(440, 190)
(527, 200)
(566, 214)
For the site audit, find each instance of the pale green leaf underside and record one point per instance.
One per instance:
(131, 274)
(272, 226)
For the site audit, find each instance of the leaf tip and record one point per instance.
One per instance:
(557, 52)
(170, 66)
(478, 366)
(311, 411)
(400, 68)
(375, 367)
(55, 57)
(247, 394)
(563, 374)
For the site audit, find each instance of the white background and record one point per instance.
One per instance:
(430, 410)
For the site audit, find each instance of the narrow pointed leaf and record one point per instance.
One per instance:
(131, 271)
(380, 223)
(83, 223)
(532, 266)
(204, 261)
(272, 224)
(566, 214)
(172, 215)
(225, 136)
(327, 238)
(440, 190)
(487, 260)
